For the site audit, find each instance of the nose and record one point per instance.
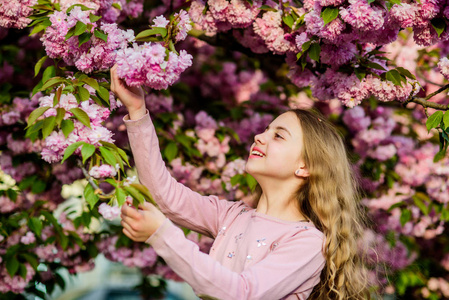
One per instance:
(259, 138)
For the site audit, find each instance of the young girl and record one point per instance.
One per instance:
(300, 240)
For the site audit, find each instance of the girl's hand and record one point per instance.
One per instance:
(139, 224)
(132, 97)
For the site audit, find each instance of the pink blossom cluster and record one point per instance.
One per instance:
(109, 212)
(15, 13)
(223, 15)
(375, 137)
(209, 144)
(150, 65)
(439, 285)
(104, 8)
(102, 171)
(56, 142)
(443, 67)
(15, 284)
(96, 54)
(270, 29)
(351, 91)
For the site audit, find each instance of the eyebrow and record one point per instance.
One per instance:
(281, 128)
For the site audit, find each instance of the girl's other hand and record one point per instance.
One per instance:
(139, 224)
(132, 97)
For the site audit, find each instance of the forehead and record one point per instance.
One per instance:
(289, 121)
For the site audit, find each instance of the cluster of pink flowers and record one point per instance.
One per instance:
(15, 13)
(149, 65)
(351, 91)
(102, 171)
(223, 15)
(56, 143)
(96, 54)
(374, 138)
(443, 67)
(130, 8)
(270, 29)
(109, 212)
(15, 284)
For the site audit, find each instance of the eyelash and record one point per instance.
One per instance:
(278, 136)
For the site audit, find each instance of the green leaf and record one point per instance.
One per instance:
(67, 127)
(31, 259)
(70, 149)
(360, 73)
(252, 183)
(329, 14)
(314, 52)
(87, 151)
(434, 120)
(422, 206)
(406, 215)
(60, 113)
(108, 156)
(81, 116)
(90, 196)
(439, 24)
(80, 28)
(306, 45)
(406, 73)
(376, 66)
(48, 126)
(151, 32)
(123, 155)
(92, 82)
(38, 187)
(236, 179)
(84, 93)
(12, 265)
(93, 18)
(39, 64)
(52, 82)
(103, 93)
(288, 20)
(38, 28)
(36, 114)
(394, 77)
(101, 35)
(84, 38)
(35, 224)
(120, 195)
(171, 151)
(144, 191)
(117, 6)
(83, 8)
(446, 120)
(134, 193)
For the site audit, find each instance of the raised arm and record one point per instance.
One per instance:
(177, 202)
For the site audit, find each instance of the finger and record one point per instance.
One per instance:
(128, 234)
(146, 206)
(130, 211)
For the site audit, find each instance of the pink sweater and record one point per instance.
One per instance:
(254, 256)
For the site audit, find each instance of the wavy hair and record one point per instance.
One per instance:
(329, 197)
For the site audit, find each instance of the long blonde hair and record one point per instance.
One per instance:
(330, 199)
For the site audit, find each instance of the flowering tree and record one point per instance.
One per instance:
(216, 72)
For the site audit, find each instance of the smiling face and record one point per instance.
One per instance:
(276, 152)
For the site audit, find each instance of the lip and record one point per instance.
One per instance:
(256, 149)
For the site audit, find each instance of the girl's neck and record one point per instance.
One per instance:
(279, 205)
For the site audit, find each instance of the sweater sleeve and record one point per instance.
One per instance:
(293, 263)
(179, 203)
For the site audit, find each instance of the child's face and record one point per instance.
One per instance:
(276, 152)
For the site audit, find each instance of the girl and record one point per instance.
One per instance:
(299, 241)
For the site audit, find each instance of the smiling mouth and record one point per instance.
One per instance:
(256, 153)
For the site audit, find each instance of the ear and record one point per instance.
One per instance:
(302, 171)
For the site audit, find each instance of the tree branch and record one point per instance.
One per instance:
(92, 183)
(426, 104)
